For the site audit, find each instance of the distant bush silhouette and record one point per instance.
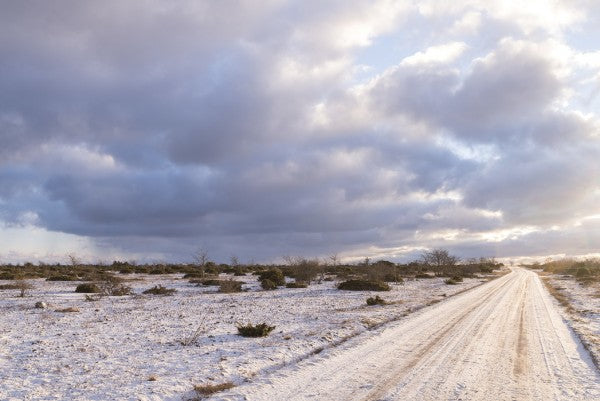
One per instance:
(88, 288)
(297, 284)
(363, 285)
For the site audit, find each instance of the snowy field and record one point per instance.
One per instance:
(503, 340)
(584, 311)
(134, 347)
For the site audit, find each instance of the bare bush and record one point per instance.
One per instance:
(304, 270)
(439, 258)
(209, 389)
(23, 286)
(113, 286)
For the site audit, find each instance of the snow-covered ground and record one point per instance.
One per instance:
(503, 340)
(583, 310)
(131, 347)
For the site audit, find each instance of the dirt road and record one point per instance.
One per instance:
(503, 340)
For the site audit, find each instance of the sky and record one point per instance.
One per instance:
(148, 130)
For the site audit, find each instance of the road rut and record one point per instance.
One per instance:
(503, 340)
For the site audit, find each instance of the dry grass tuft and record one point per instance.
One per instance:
(555, 292)
(208, 389)
(67, 310)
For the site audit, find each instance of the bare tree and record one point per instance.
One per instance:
(201, 259)
(74, 260)
(289, 260)
(439, 258)
(23, 286)
(334, 259)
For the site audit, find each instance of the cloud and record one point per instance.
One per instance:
(150, 128)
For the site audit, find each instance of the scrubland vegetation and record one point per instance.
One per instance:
(238, 319)
(584, 271)
(111, 280)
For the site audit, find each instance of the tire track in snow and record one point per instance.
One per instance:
(502, 340)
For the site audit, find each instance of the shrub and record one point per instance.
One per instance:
(229, 286)
(192, 275)
(9, 287)
(119, 290)
(208, 281)
(267, 284)
(274, 275)
(363, 285)
(375, 301)
(392, 278)
(211, 270)
(67, 310)
(259, 330)
(88, 288)
(209, 389)
(160, 290)
(454, 280)
(582, 272)
(62, 278)
(297, 284)
(23, 286)
(304, 269)
(112, 286)
(424, 275)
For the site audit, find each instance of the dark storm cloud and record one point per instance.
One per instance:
(242, 126)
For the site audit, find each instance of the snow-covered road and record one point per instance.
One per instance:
(503, 340)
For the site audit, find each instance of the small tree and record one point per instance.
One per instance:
(201, 259)
(74, 260)
(438, 259)
(23, 286)
(334, 259)
(333, 262)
